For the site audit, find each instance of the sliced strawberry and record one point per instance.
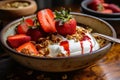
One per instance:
(17, 40)
(30, 47)
(46, 20)
(24, 26)
(35, 34)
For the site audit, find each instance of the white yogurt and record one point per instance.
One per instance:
(74, 48)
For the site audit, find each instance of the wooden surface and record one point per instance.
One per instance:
(107, 68)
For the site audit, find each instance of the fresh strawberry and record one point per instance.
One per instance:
(46, 20)
(24, 26)
(114, 8)
(35, 33)
(29, 47)
(102, 1)
(96, 2)
(16, 40)
(95, 5)
(108, 11)
(65, 23)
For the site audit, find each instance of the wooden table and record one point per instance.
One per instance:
(108, 68)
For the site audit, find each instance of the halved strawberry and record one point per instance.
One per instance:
(65, 23)
(16, 40)
(24, 26)
(30, 47)
(46, 20)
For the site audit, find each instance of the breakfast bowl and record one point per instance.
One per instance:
(66, 63)
(13, 9)
(112, 18)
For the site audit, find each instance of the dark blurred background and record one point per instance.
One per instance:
(56, 3)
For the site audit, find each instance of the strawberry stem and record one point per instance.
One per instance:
(23, 19)
(100, 7)
(63, 16)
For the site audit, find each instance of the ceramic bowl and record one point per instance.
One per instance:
(61, 64)
(113, 19)
(9, 10)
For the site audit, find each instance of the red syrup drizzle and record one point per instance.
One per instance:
(91, 46)
(65, 44)
(84, 39)
(82, 48)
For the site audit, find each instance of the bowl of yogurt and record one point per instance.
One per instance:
(60, 53)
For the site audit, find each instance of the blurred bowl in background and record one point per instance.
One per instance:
(87, 10)
(113, 19)
(12, 9)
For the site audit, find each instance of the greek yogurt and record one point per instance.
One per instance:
(72, 47)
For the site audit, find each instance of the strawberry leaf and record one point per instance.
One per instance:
(63, 16)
